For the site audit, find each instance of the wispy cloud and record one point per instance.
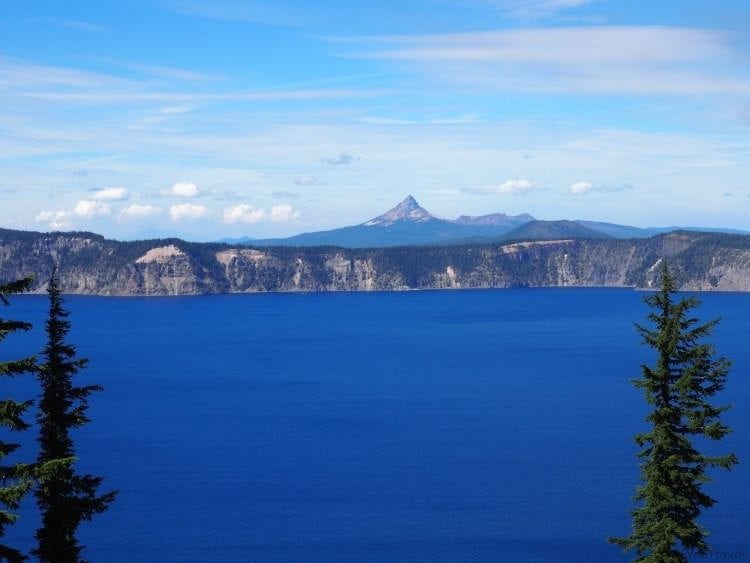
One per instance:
(342, 159)
(114, 97)
(21, 76)
(87, 27)
(27, 80)
(285, 195)
(464, 119)
(251, 11)
(137, 211)
(161, 71)
(593, 59)
(532, 9)
(583, 188)
(511, 187)
(306, 180)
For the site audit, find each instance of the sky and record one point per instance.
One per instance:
(266, 118)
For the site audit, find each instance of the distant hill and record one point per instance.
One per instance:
(621, 231)
(239, 240)
(624, 231)
(554, 230)
(495, 219)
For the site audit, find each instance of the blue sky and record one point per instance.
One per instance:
(207, 119)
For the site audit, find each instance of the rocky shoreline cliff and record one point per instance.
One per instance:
(90, 264)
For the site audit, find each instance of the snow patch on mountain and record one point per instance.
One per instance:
(407, 210)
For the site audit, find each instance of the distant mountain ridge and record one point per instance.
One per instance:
(494, 219)
(409, 224)
(406, 224)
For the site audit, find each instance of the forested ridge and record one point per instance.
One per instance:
(88, 263)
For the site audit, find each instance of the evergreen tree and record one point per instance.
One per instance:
(673, 471)
(65, 499)
(16, 479)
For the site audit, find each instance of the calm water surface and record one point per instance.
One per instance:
(430, 426)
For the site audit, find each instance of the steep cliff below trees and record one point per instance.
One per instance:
(89, 264)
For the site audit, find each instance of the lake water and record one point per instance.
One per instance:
(426, 426)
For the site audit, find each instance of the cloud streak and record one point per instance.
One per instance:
(342, 159)
(533, 9)
(27, 80)
(511, 187)
(252, 11)
(638, 60)
(583, 188)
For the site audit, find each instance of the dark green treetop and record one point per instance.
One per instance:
(64, 498)
(16, 479)
(686, 375)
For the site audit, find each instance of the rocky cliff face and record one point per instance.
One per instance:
(90, 264)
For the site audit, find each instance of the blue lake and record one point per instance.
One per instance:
(426, 426)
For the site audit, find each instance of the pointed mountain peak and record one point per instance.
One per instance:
(407, 210)
(409, 202)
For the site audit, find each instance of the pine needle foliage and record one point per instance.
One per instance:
(673, 472)
(65, 499)
(16, 479)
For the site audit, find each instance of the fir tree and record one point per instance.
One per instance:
(16, 479)
(64, 498)
(673, 471)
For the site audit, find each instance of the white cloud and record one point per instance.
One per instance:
(244, 213)
(111, 194)
(187, 211)
(57, 220)
(185, 189)
(580, 188)
(63, 220)
(88, 209)
(136, 211)
(517, 187)
(283, 213)
(510, 187)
